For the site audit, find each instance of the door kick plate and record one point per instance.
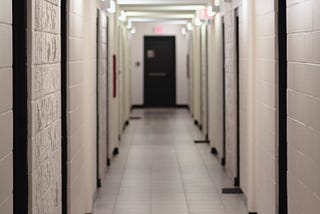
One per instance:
(157, 74)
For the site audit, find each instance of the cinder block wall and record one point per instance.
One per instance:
(82, 108)
(257, 76)
(266, 106)
(303, 27)
(102, 92)
(228, 11)
(216, 86)
(44, 106)
(75, 108)
(6, 117)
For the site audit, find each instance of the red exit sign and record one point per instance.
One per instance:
(158, 30)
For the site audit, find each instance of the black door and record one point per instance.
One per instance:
(159, 71)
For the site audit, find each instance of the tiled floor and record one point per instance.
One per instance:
(161, 171)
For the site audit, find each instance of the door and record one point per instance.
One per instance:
(283, 108)
(20, 113)
(159, 72)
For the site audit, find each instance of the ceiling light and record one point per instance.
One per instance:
(129, 26)
(122, 16)
(112, 7)
(197, 21)
(189, 26)
(217, 3)
(183, 31)
(133, 31)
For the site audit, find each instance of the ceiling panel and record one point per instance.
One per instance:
(162, 2)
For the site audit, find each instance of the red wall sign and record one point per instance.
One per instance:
(114, 76)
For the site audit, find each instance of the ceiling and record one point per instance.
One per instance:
(162, 2)
(161, 10)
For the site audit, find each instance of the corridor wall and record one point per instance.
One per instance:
(6, 115)
(113, 82)
(196, 74)
(257, 95)
(44, 104)
(102, 94)
(81, 104)
(303, 25)
(266, 106)
(204, 78)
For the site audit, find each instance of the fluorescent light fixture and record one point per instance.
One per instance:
(122, 16)
(183, 31)
(189, 26)
(129, 26)
(133, 31)
(112, 8)
(210, 11)
(197, 21)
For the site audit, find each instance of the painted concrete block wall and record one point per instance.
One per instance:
(196, 74)
(244, 96)
(75, 35)
(247, 92)
(81, 105)
(216, 86)
(146, 29)
(203, 80)
(89, 105)
(44, 104)
(266, 106)
(6, 116)
(230, 87)
(102, 93)
(303, 27)
(113, 101)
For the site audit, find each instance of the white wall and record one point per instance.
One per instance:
(266, 106)
(247, 93)
(137, 73)
(44, 104)
(81, 105)
(303, 106)
(6, 123)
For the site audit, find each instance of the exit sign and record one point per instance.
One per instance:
(158, 30)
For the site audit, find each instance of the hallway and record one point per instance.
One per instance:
(159, 106)
(160, 170)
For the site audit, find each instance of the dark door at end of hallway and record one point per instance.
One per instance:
(159, 71)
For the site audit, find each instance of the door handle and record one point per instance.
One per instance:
(157, 74)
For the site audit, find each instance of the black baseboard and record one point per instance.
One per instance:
(144, 106)
(223, 161)
(253, 213)
(232, 190)
(99, 183)
(214, 151)
(202, 141)
(236, 182)
(115, 151)
(135, 118)
(127, 123)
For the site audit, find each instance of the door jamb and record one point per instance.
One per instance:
(20, 107)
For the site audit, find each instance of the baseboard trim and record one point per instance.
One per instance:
(231, 190)
(214, 151)
(115, 151)
(202, 141)
(144, 106)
